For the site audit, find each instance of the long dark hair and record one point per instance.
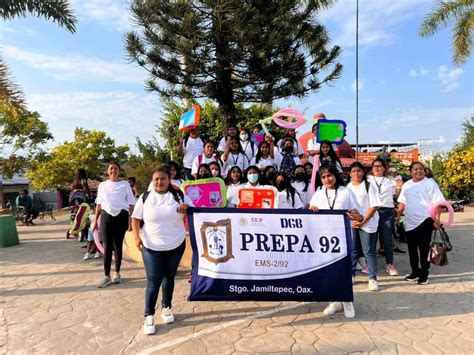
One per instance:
(259, 153)
(290, 190)
(228, 179)
(330, 168)
(359, 165)
(177, 194)
(236, 139)
(305, 179)
(332, 154)
(265, 180)
(179, 173)
(205, 166)
(80, 182)
(219, 169)
(246, 171)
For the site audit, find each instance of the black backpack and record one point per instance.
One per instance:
(288, 164)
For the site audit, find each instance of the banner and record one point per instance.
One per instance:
(270, 255)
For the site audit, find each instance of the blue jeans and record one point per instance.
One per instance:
(160, 267)
(368, 241)
(386, 229)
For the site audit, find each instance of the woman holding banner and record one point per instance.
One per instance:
(162, 243)
(333, 195)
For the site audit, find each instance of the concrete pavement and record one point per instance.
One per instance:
(49, 303)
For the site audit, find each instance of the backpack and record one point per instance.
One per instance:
(288, 164)
(178, 197)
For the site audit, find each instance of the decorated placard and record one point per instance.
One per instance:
(206, 192)
(333, 131)
(190, 119)
(257, 197)
(270, 255)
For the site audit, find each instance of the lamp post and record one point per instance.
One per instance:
(357, 80)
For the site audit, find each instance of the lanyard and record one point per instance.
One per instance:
(331, 207)
(379, 186)
(234, 159)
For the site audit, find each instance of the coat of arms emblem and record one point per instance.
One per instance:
(217, 241)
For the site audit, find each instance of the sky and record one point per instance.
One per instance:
(409, 89)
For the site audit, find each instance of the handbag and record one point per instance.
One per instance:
(437, 253)
(445, 239)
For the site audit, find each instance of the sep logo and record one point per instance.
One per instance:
(243, 222)
(256, 220)
(291, 223)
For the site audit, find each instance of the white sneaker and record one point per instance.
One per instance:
(349, 311)
(359, 267)
(353, 280)
(167, 316)
(332, 308)
(97, 255)
(86, 256)
(117, 279)
(391, 270)
(149, 325)
(373, 285)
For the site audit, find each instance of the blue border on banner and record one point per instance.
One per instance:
(337, 277)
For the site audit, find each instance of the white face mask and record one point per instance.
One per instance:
(252, 178)
(244, 137)
(215, 172)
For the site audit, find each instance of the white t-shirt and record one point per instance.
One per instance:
(263, 163)
(204, 160)
(305, 195)
(386, 188)
(115, 196)
(418, 198)
(232, 194)
(238, 159)
(284, 201)
(366, 201)
(192, 148)
(164, 226)
(247, 148)
(222, 144)
(312, 145)
(345, 199)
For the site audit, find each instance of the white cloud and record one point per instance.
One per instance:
(123, 115)
(361, 85)
(449, 78)
(422, 72)
(76, 67)
(113, 13)
(377, 20)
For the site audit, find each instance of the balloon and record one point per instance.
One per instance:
(100, 247)
(294, 117)
(264, 122)
(314, 173)
(434, 212)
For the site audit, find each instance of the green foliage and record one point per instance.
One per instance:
(437, 165)
(211, 126)
(90, 149)
(150, 156)
(458, 177)
(233, 51)
(21, 135)
(467, 138)
(398, 163)
(459, 12)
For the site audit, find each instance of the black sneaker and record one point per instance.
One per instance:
(423, 280)
(398, 250)
(412, 278)
(381, 252)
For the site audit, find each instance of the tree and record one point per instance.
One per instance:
(90, 149)
(467, 138)
(58, 11)
(459, 13)
(211, 126)
(141, 166)
(458, 177)
(232, 52)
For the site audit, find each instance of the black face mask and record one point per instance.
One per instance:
(271, 175)
(205, 176)
(300, 176)
(288, 149)
(281, 185)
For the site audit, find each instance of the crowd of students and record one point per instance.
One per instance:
(370, 199)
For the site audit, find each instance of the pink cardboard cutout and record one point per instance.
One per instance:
(206, 192)
(435, 209)
(304, 139)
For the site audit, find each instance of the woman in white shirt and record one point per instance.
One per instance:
(162, 243)
(386, 189)
(417, 197)
(206, 158)
(288, 197)
(365, 232)
(301, 184)
(333, 195)
(233, 181)
(115, 201)
(249, 148)
(264, 156)
(233, 156)
(175, 174)
(189, 148)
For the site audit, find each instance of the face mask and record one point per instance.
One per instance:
(300, 176)
(205, 176)
(244, 137)
(271, 175)
(288, 149)
(252, 178)
(280, 185)
(215, 173)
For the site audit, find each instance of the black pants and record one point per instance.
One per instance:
(187, 174)
(112, 230)
(419, 240)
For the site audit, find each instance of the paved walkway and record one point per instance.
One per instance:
(49, 303)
